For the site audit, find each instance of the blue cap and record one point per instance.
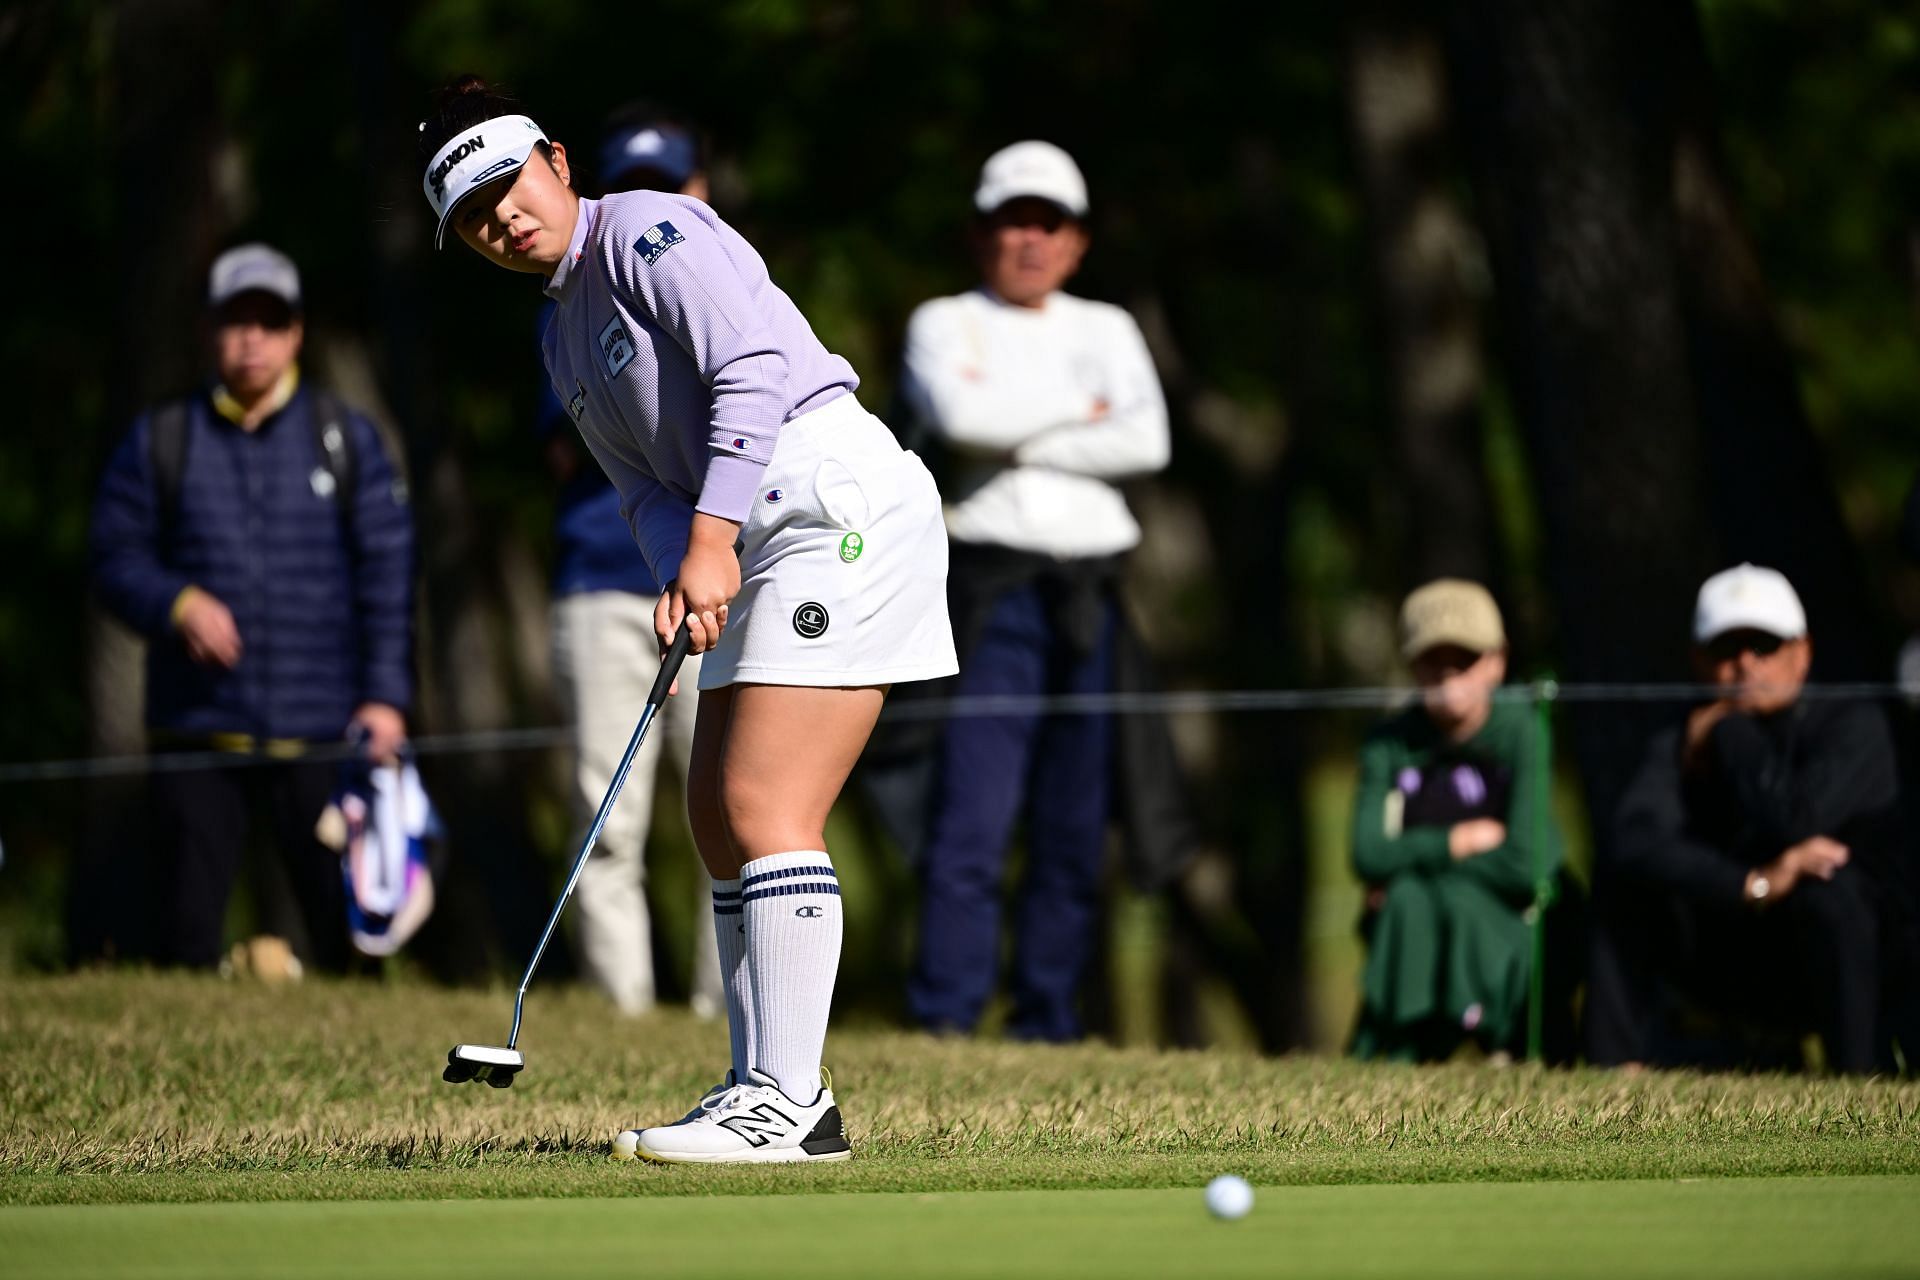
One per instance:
(661, 147)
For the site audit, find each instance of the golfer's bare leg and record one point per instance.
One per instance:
(787, 753)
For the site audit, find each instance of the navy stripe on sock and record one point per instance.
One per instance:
(783, 890)
(788, 874)
(730, 895)
(733, 910)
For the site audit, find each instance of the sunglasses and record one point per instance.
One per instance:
(1730, 646)
(1046, 216)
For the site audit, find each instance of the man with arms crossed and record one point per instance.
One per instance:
(1044, 401)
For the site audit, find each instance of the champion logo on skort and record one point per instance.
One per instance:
(740, 443)
(616, 348)
(776, 495)
(656, 240)
(810, 620)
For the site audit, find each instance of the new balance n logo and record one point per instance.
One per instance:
(761, 1125)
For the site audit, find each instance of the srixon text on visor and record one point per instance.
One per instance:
(439, 175)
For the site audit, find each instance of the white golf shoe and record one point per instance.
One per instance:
(711, 1098)
(627, 1142)
(752, 1123)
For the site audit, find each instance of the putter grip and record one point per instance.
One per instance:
(670, 665)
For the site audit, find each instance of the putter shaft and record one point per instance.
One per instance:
(669, 668)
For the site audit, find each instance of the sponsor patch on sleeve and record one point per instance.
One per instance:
(656, 240)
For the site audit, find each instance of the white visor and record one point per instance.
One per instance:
(474, 157)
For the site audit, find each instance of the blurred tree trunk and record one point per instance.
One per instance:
(178, 188)
(175, 183)
(1422, 252)
(480, 600)
(468, 685)
(1772, 499)
(1658, 396)
(1571, 149)
(1239, 911)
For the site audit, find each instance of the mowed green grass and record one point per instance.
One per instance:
(1722, 1227)
(135, 1087)
(164, 1125)
(125, 1087)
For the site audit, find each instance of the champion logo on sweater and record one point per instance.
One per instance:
(776, 495)
(656, 240)
(740, 443)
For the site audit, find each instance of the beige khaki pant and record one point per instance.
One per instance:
(605, 659)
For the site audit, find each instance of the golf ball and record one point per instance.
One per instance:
(628, 1142)
(1229, 1196)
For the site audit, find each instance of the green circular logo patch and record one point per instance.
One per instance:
(851, 546)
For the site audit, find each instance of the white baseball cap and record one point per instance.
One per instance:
(1748, 597)
(253, 268)
(1037, 169)
(474, 157)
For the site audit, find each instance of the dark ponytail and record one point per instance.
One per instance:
(459, 105)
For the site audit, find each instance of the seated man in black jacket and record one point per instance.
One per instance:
(1755, 867)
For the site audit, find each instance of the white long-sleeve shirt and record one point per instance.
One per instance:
(1012, 391)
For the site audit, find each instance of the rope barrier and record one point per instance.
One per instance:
(1175, 702)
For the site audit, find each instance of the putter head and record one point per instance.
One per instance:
(487, 1062)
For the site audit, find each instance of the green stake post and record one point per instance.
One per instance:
(1545, 691)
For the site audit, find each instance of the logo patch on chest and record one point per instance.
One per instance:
(616, 347)
(656, 240)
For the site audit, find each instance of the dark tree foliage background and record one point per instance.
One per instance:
(1500, 288)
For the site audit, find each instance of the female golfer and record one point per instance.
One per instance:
(801, 545)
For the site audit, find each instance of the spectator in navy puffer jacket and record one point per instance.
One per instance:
(259, 537)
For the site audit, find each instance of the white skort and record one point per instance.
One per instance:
(843, 563)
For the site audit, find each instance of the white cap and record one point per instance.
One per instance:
(253, 268)
(1037, 169)
(1748, 598)
(474, 157)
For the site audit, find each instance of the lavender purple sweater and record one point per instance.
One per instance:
(679, 360)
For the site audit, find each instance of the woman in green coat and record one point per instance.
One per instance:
(1444, 834)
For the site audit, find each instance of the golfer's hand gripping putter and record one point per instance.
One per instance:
(498, 1065)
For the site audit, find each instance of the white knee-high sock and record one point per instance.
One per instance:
(792, 906)
(730, 935)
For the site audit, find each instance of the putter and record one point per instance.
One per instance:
(499, 1064)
